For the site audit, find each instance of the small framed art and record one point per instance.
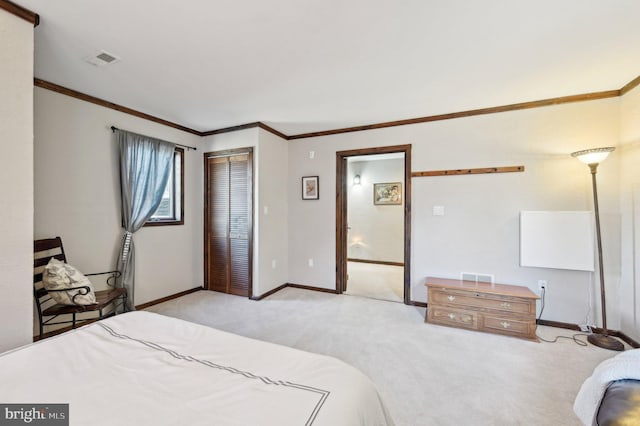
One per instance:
(310, 188)
(387, 194)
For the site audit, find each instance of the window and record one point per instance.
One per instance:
(171, 208)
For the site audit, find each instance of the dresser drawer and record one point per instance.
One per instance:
(509, 326)
(494, 308)
(454, 317)
(481, 300)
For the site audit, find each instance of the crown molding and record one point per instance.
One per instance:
(97, 101)
(231, 129)
(20, 12)
(468, 113)
(272, 130)
(630, 86)
(259, 124)
(461, 114)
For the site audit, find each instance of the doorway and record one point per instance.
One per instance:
(373, 250)
(228, 224)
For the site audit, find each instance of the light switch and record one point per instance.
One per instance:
(266, 210)
(310, 263)
(438, 210)
(312, 154)
(273, 264)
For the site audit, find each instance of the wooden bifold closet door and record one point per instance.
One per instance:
(228, 222)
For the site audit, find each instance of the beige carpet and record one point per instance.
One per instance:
(427, 374)
(384, 282)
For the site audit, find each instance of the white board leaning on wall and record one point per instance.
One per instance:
(557, 239)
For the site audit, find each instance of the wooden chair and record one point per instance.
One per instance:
(45, 250)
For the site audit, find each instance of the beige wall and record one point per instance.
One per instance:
(629, 294)
(77, 195)
(273, 230)
(376, 231)
(479, 232)
(16, 177)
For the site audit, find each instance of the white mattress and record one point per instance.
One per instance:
(142, 368)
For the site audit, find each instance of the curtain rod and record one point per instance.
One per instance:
(114, 128)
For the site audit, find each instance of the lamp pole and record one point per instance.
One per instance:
(594, 170)
(601, 340)
(593, 157)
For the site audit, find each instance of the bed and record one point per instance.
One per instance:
(142, 368)
(611, 395)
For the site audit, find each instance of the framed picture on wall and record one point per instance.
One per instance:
(310, 188)
(387, 194)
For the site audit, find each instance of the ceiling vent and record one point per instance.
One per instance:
(102, 58)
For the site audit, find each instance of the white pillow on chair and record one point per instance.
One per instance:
(58, 275)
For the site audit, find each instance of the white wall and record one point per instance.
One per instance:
(270, 171)
(629, 295)
(479, 232)
(273, 225)
(16, 177)
(77, 194)
(377, 231)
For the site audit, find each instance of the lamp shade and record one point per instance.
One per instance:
(593, 156)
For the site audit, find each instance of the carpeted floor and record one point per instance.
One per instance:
(427, 374)
(384, 282)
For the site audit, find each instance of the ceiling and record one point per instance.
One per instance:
(310, 65)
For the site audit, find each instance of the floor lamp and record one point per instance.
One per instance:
(593, 157)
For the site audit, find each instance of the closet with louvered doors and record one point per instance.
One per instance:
(228, 221)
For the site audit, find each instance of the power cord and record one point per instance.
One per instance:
(574, 337)
(587, 319)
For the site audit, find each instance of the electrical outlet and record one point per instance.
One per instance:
(585, 327)
(310, 262)
(542, 285)
(273, 264)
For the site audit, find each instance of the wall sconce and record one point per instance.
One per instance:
(356, 180)
(593, 157)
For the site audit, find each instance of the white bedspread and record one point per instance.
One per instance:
(142, 368)
(625, 365)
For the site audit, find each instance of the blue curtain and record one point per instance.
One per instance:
(145, 165)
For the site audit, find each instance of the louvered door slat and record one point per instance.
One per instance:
(218, 217)
(239, 267)
(239, 225)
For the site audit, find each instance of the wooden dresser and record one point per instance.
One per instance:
(493, 308)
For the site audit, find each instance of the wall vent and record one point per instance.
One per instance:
(476, 277)
(102, 58)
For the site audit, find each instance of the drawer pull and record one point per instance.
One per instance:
(505, 324)
(451, 316)
(451, 298)
(505, 305)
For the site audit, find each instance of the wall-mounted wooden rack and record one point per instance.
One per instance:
(509, 169)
